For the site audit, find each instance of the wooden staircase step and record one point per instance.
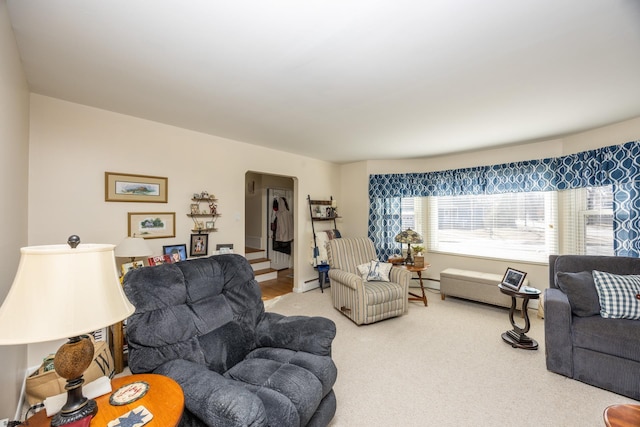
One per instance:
(265, 274)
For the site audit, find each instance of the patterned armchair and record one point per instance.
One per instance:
(361, 301)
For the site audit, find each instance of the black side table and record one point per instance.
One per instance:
(517, 337)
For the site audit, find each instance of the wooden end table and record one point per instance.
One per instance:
(517, 337)
(622, 416)
(164, 400)
(419, 271)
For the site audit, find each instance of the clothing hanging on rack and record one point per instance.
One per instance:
(282, 226)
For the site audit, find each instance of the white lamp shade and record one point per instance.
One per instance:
(133, 247)
(60, 292)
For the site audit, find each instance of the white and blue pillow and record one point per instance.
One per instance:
(619, 295)
(375, 271)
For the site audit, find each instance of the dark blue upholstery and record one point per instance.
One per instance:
(581, 344)
(202, 322)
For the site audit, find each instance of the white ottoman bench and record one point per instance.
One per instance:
(475, 286)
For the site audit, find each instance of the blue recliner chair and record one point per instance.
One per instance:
(202, 322)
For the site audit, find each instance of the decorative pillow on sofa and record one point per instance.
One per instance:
(375, 271)
(581, 292)
(619, 295)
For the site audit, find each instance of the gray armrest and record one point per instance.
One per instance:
(557, 332)
(300, 333)
(213, 398)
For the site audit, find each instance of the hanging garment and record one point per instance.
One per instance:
(283, 233)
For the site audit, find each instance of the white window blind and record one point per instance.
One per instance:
(587, 221)
(412, 214)
(518, 226)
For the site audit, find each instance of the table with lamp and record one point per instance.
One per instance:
(411, 237)
(131, 248)
(67, 291)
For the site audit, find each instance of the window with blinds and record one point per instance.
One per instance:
(518, 226)
(587, 221)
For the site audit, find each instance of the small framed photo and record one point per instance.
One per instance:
(199, 245)
(159, 260)
(195, 209)
(513, 279)
(210, 225)
(177, 253)
(127, 267)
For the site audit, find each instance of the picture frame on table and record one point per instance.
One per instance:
(121, 187)
(177, 253)
(513, 279)
(159, 260)
(199, 245)
(152, 225)
(128, 266)
(224, 248)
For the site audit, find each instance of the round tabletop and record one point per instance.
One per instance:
(415, 269)
(518, 294)
(164, 400)
(622, 416)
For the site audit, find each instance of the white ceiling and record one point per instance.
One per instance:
(343, 80)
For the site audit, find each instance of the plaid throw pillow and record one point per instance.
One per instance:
(619, 295)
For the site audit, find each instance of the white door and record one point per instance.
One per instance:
(280, 207)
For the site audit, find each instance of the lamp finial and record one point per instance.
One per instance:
(73, 241)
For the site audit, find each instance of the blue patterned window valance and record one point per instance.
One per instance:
(617, 165)
(602, 166)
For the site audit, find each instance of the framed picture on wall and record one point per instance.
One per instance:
(120, 187)
(199, 245)
(152, 225)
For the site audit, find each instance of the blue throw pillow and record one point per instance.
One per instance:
(619, 295)
(581, 292)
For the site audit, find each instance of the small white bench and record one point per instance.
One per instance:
(475, 286)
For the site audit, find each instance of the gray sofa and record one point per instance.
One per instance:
(581, 344)
(202, 322)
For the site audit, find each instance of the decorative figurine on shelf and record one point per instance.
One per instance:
(213, 208)
(204, 195)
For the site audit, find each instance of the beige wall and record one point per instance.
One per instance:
(356, 186)
(14, 139)
(71, 147)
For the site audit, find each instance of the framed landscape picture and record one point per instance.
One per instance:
(152, 225)
(119, 187)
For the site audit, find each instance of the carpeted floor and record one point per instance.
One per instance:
(446, 365)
